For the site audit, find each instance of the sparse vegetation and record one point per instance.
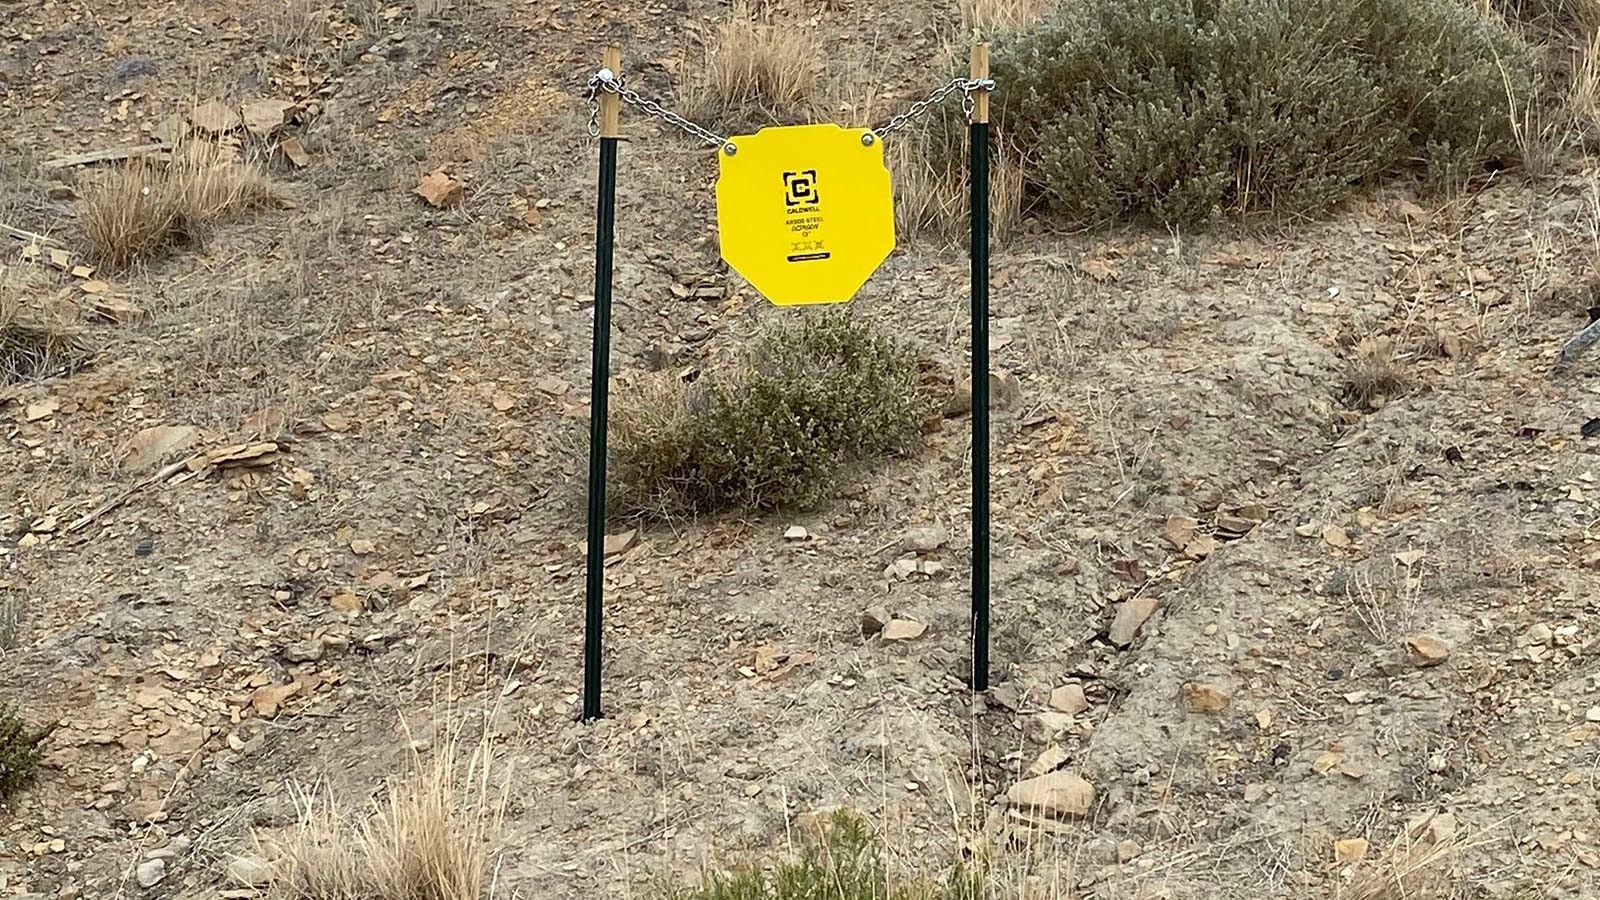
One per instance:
(932, 187)
(989, 17)
(33, 343)
(135, 212)
(1374, 375)
(10, 622)
(432, 837)
(811, 396)
(1181, 111)
(755, 72)
(846, 861)
(20, 752)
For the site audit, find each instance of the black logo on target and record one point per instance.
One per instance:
(800, 188)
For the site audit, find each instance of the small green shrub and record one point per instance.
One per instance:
(812, 395)
(1181, 110)
(20, 752)
(845, 862)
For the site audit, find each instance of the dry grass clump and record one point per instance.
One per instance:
(1374, 375)
(136, 211)
(989, 17)
(932, 185)
(1419, 865)
(812, 396)
(755, 72)
(33, 343)
(433, 837)
(1573, 15)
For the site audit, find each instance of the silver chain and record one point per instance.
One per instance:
(965, 85)
(606, 80)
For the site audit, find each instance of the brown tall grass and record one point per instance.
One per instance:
(988, 17)
(756, 71)
(432, 837)
(932, 189)
(135, 212)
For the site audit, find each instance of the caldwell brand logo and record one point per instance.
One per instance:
(800, 188)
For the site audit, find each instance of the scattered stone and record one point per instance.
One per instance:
(1349, 850)
(250, 871)
(1205, 698)
(263, 118)
(796, 533)
(1069, 699)
(1128, 851)
(1131, 616)
(150, 872)
(1234, 527)
(440, 189)
(1201, 547)
(1050, 759)
(1537, 635)
(1335, 536)
(1055, 722)
(925, 538)
(306, 651)
(621, 543)
(215, 117)
(904, 630)
(874, 620)
(1100, 850)
(1426, 651)
(1179, 531)
(1061, 794)
(137, 67)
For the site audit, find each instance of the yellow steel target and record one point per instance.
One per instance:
(805, 213)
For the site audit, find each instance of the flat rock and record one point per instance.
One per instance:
(150, 872)
(873, 620)
(925, 538)
(1205, 698)
(249, 870)
(904, 630)
(1426, 651)
(1349, 850)
(304, 651)
(1051, 759)
(1131, 616)
(1069, 699)
(1061, 794)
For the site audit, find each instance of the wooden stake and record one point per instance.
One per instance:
(611, 104)
(979, 70)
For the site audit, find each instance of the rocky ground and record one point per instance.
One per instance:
(1296, 543)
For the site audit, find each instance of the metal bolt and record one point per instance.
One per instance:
(605, 75)
(729, 149)
(868, 139)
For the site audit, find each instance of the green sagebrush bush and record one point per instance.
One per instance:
(1181, 110)
(20, 752)
(846, 861)
(813, 394)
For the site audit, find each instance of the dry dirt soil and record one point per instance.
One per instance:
(1366, 607)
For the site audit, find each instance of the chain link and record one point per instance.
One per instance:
(965, 85)
(607, 81)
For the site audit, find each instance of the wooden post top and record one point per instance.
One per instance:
(611, 104)
(979, 70)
